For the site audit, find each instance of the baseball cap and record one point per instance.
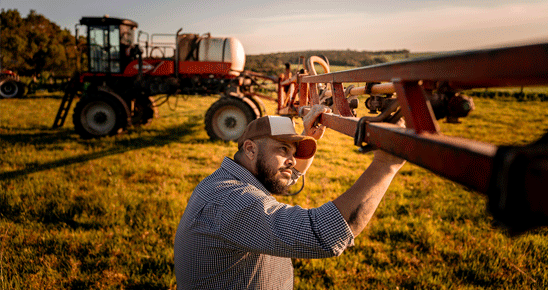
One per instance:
(281, 129)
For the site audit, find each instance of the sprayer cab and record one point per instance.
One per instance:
(111, 44)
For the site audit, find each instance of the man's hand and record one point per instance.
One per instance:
(311, 128)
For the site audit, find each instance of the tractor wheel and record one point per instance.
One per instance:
(98, 116)
(10, 87)
(227, 119)
(144, 110)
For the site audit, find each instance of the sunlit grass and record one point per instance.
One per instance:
(102, 214)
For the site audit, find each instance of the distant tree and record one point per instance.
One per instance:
(34, 45)
(13, 43)
(273, 63)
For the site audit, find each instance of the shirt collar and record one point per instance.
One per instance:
(242, 174)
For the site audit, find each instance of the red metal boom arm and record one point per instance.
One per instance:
(512, 177)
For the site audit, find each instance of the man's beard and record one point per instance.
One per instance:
(267, 177)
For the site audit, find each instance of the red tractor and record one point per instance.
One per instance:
(10, 85)
(123, 75)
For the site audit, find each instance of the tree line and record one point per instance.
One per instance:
(33, 45)
(273, 63)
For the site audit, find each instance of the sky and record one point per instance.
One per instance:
(284, 26)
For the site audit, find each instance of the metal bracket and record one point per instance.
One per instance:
(369, 86)
(361, 136)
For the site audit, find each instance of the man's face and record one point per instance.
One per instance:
(274, 162)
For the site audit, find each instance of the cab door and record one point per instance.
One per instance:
(104, 48)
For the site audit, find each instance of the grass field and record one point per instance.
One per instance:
(102, 214)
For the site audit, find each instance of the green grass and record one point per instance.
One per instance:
(102, 214)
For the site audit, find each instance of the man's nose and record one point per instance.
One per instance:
(291, 161)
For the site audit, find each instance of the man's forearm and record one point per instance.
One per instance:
(358, 204)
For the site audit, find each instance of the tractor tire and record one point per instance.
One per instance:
(99, 116)
(144, 110)
(227, 119)
(10, 87)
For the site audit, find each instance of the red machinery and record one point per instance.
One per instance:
(428, 89)
(121, 77)
(117, 88)
(10, 85)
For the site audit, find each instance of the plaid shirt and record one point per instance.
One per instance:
(235, 235)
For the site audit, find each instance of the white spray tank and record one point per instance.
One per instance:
(193, 47)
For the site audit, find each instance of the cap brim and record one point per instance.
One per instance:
(306, 145)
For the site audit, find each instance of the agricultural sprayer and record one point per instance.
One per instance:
(122, 76)
(423, 91)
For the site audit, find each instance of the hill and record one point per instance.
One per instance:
(273, 63)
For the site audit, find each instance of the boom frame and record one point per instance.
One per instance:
(511, 177)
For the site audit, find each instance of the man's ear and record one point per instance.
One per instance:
(250, 149)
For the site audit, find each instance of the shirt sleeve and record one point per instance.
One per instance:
(256, 222)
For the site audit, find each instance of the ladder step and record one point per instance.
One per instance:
(68, 97)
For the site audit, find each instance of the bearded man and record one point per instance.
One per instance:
(234, 234)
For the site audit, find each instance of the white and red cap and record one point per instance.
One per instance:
(281, 129)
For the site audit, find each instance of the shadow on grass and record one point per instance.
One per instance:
(56, 96)
(47, 136)
(155, 138)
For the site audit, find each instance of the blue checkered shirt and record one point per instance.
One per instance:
(235, 235)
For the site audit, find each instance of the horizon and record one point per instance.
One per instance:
(266, 27)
